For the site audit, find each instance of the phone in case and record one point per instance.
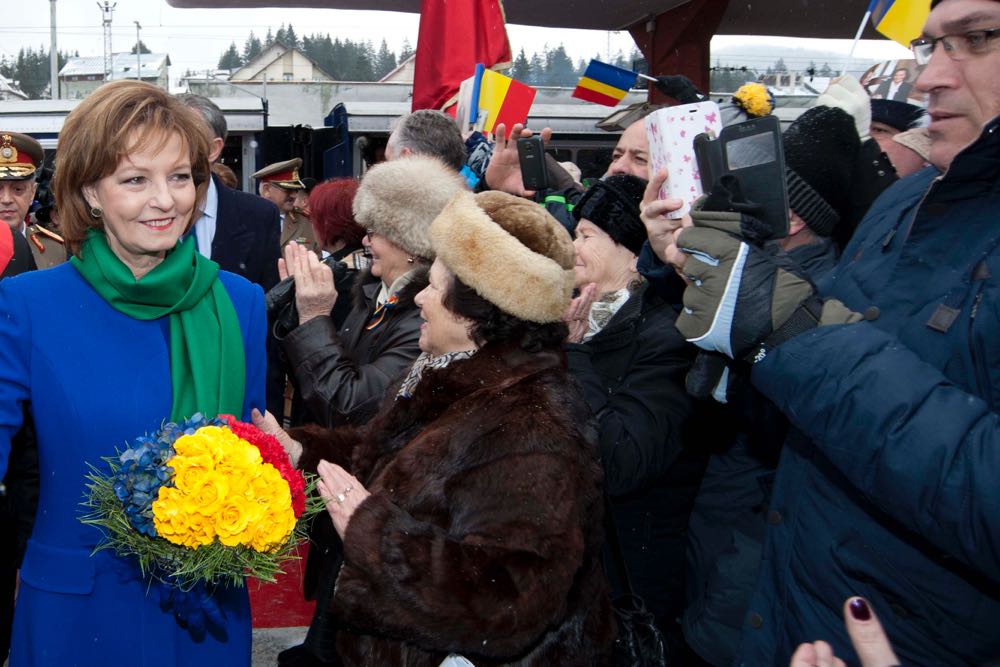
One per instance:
(671, 133)
(531, 155)
(751, 152)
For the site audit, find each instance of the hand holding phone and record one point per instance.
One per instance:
(531, 155)
(671, 133)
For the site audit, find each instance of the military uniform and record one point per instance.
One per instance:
(21, 157)
(47, 247)
(294, 225)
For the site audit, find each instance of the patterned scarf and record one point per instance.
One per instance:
(424, 361)
(603, 309)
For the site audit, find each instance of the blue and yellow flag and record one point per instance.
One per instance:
(900, 20)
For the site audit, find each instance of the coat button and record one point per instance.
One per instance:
(774, 517)
(756, 620)
(872, 313)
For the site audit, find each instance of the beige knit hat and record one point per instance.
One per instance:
(399, 199)
(917, 140)
(510, 251)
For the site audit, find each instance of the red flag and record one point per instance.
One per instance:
(454, 36)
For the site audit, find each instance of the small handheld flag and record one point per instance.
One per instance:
(503, 99)
(900, 20)
(605, 84)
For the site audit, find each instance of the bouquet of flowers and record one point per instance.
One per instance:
(207, 501)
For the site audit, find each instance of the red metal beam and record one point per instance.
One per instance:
(677, 42)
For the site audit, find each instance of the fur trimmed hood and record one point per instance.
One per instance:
(510, 250)
(400, 199)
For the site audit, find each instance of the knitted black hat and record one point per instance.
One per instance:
(821, 149)
(900, 115)
(613, 205)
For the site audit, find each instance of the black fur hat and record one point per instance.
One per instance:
(821, 151)
(613, 204)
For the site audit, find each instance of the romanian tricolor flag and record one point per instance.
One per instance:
(503, 99)
(604, 84)
(900, 20)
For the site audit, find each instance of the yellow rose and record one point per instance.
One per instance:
(199, 531)
(272, 530)
(239, 456)
(202, 442)
(169, 518)
(233, 518)
(190, 470)
(208, 496)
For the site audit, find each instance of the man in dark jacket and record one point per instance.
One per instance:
(237, 231)
(887, 486)
(727, 526)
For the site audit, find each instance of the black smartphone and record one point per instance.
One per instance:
(531, 155)
(751, 152)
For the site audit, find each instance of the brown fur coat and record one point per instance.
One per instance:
(482, 534)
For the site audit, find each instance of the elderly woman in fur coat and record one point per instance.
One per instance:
(470, 506)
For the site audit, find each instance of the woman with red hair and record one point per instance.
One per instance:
(333, 222)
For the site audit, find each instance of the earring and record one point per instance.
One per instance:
(96, 213)
(409, 260)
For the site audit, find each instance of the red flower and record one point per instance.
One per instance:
(272, 452)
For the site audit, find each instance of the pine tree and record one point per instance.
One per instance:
(141, 46)
(826, 70)
(269, 38)
(406, 51)
(536, 67)
(230, 60)
(559, 70)
(780, 66)
(385, 61)
(521, 68)
(252, 48)
(291, 40)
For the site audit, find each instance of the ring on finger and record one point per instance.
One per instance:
(340, 498)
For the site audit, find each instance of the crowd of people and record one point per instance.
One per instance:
(524, 407)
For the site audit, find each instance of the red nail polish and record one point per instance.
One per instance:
(860, 610)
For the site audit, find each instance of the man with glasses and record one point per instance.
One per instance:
(889, 375)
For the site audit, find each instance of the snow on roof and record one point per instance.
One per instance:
(122, 65)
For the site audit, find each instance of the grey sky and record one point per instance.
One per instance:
(195, 38)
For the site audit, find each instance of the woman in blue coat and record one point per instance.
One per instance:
(138, 328)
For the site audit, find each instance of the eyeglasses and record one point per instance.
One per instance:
(371, 233)
(957, 47)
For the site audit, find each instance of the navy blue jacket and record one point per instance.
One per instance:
(891, 487)
(247, 230)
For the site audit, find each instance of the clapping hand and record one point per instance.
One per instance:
(315, 293)
(577, 317)
(342, 493)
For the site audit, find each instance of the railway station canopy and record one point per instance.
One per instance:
(796, 18)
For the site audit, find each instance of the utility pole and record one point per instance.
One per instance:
(107, 10)
(138, 60)
(53, 54)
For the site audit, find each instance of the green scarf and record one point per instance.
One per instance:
(207, 361)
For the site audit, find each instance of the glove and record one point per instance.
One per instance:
(195, 609)
(744, 300)
(709, 377)
(680, 88)
(844, 92)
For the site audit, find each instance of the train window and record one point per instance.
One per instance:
(560, 154)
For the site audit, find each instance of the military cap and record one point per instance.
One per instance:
(283, 174)
(20, 156)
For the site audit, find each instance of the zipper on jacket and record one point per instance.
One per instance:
(978, 355)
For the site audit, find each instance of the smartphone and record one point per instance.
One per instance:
(752, 153)
(672, 133)
(531, 155)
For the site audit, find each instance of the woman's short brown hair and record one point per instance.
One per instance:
(115, 120)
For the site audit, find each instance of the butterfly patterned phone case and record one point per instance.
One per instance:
(671, 133)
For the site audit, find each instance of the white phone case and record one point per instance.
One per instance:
(671, 133)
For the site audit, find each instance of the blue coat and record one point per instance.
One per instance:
(95, 379)
(893, 493)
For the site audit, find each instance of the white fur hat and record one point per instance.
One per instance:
(399, 199)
